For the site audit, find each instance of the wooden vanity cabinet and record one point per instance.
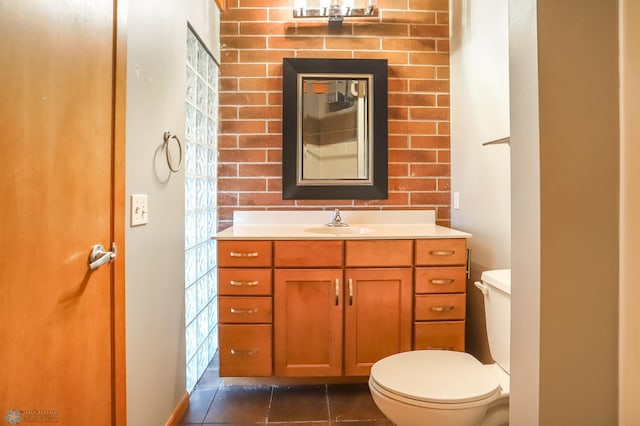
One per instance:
(318, 308)
(440, 298)
(245, 308)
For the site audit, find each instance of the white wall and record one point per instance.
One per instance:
(480, 174)
(565, 158)
(525, 211)
(155, 252)
(629, 214)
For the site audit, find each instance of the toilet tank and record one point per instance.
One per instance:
(497, 306)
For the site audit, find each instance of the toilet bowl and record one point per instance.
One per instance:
(447, 388)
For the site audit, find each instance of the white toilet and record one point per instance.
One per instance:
(446, 388)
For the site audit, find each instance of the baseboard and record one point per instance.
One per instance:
(179, 411)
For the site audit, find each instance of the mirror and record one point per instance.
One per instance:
(334, 118)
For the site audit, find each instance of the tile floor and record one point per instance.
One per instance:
(214, 403)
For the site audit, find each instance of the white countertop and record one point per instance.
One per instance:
(310, 225)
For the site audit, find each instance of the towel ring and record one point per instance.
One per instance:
(167, 137)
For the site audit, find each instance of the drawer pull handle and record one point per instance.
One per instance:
(337, 291)
(249, 311)
(244, 283)
(442, 308)
(243, 254)
(442, 282)
(244, 352)
(437, 348)
(350, 292)
(442, 252)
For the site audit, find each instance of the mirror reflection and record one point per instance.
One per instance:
(335, 128)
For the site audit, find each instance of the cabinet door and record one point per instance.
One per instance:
(308, 322)
(378, 316)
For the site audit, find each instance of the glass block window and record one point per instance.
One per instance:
(201, 158)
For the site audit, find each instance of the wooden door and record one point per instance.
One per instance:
(308, 322)
(378, 316)
(62, 191)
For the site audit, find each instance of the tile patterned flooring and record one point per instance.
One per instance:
(214, 403)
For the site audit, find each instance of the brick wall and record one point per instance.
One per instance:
(411, 34)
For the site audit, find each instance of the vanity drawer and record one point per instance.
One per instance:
(245, 309)
(441, 252)
(245, 350)
(301, 254)
(438, 307)
(244, 253)
(379, 253)
(447, 335)
(441, 280)
(244, 282)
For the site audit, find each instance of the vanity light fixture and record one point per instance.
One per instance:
(335, 10)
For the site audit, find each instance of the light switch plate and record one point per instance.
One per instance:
(456, 200)
(139, 209)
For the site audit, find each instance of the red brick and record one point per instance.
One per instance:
(430, 31)
(409, 44)
(240, 98)
(259, 84)
(398, 113)
(260, 141)
(233, 126)
(444, 184)
(429, 4)
(408, 184)
(265, 169)
(243, 15)
(430, 198)
(413, 156)
(242, 155)
(408, 17)
(412, 127)
(241, 184)
(431, 170)
(430, 141)
(245, 42)
(263, 199)
(254, 112)
(428, 113)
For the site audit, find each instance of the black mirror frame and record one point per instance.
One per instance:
(291, 67)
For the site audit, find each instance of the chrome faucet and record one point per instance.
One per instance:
(336, 220)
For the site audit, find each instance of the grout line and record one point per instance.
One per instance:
(211, 403)
(326, 395)
(270, 401)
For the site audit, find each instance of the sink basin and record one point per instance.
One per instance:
(335, 230)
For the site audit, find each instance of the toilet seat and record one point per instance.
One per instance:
(435, 378)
